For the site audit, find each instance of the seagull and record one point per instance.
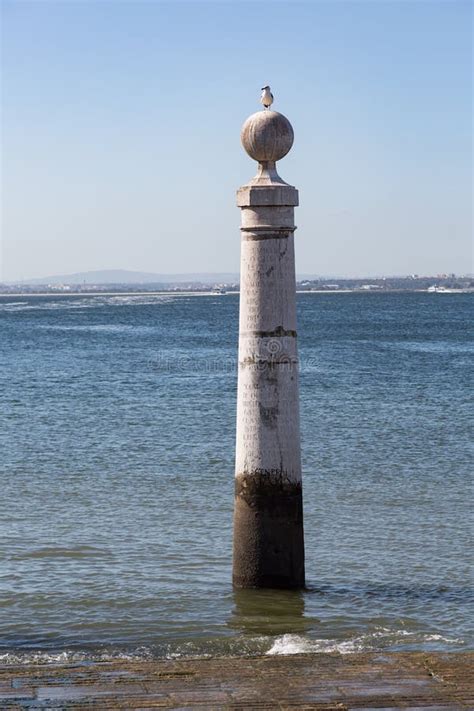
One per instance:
(267, 97)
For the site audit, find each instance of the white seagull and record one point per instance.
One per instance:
(267, 97)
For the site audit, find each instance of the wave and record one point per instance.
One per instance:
(381, 639)
(433, 347)
(73, 656)
(107, 328)
(70, 302)
(62, 552)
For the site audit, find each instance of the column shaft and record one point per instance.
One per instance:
(268, 515)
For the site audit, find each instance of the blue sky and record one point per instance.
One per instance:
(121, 132)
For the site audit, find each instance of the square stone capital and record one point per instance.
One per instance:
(254, 195)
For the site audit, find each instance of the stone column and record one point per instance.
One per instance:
(268, 513)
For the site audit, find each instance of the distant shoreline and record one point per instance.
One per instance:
(78, 294)
(117, 293)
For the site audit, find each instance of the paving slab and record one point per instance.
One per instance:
(413, 681)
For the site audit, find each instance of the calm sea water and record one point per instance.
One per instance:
(117, 451)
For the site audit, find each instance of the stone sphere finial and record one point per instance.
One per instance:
(267, 136)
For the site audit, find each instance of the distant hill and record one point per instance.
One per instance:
(124, 276)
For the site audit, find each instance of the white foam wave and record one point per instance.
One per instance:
(75, 302)
(382, 638)
(440, 638)
(294, 644)
(70, 656)
(377, 640)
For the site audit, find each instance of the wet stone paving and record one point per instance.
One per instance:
(417, 681)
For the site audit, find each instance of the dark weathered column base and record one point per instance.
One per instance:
(268, 533)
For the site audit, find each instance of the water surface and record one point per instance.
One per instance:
(117, 437)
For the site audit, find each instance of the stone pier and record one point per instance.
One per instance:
(378, 681)
(268, 513)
